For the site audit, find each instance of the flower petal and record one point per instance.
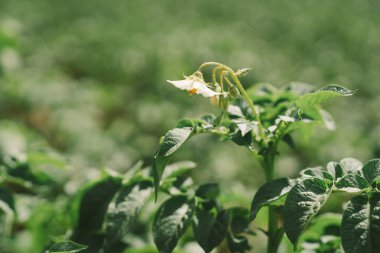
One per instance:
(182, 84)
(204, 90)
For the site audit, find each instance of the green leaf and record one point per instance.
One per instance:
(173, 140)
(7, 197)
(93, 204)
(177, 169)
(245, 126)
(304, 200)
(237, 244)
(124, 209)
(351, 165)
(270, 192)
(371, 170)
(316, 172)
(208, 191)
(170, 143)
(210, 231)
(335, 169)
(171, 222)
(239, 219)
(310, 100)
(361, 224)
(352, 183)
(66, 247)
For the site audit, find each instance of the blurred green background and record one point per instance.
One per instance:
(88, 78)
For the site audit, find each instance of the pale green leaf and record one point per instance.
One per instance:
(67, 247)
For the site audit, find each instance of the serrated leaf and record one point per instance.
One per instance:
(351, 165)
(124, 209)
(361, 224)
(371, 170)
(171, 222)
(304, 200)
(67, 247)
(352, 183)
(269, 192)
(310, 100)
(170, 143)
(210, 230)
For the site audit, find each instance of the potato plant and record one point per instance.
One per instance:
(113, 213)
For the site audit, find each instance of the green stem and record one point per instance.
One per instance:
(244, 94)
(274, 232)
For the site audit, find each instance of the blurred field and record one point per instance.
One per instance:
(88, 78)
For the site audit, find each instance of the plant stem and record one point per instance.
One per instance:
(274, 235)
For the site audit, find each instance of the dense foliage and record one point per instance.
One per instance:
(83, 101)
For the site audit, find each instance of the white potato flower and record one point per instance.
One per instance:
(195, 84)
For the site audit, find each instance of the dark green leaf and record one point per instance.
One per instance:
(170, 143)
(371, 170)
(304, 200)
(270, 192)
(361, 224)
(7, 197)
(240, 219)
(208, 191)
(66, 247)
(171, 222)
(335, 169)
(124, 209)
(209, 231)
(93, 205)
(237, 244)
(352, 183)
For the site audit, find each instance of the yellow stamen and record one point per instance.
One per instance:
(192, 91)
